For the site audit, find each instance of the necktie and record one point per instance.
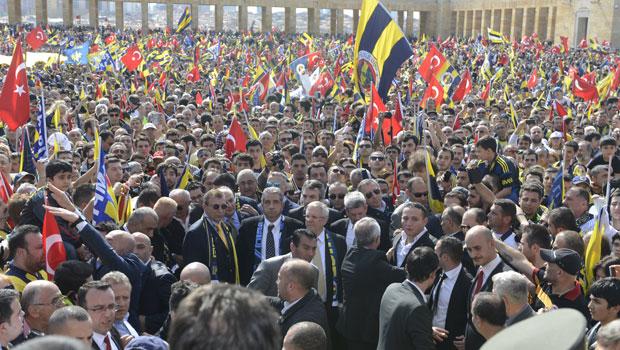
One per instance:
(478, 286)
(436, 290)
(270, 250)
(220, 233)
(318, 262)
(106, 341)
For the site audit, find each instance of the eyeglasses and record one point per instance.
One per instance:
(312, 217)
(420, 194)
(465, 228)
(57, 301)
(103, 308)
(375, 191)
(338, 195)
(219, 206)
(286, 139)
(365, 146)
(320, 155)
(377, 158)
(338, 171)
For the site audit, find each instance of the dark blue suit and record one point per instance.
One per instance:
(129, 264)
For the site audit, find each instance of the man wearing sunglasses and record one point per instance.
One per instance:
(417, 192)
(378, 208)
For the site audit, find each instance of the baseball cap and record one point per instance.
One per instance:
(567, 259)
(147, 342)
(580, 180)
(556, 134)
(149, 126)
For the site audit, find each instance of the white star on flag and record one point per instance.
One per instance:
(19, 89)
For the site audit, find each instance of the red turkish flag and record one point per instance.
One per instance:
(53, 248)
(322, 84)
(36, 38)
(531, 82)
(582, 88)
(193, 75)
(375, 107)
(435, 92)
(486, 92)
(132, 58)
(392, 126)
(235, 141)
(199, 98)
(431, 64)
(464, 87)
(15, 95)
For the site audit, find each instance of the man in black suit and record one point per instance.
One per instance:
(97, 298)
(448, 297)
(264, 236)
(417, 192)
(331, 249)
(298, 301)
(414, 234)
(313, 191)
(377, 207)
(451, 224)
(365, 276)
(154, 301)
(405, 321)
(480, 245)
(210, 240)
(356, 208)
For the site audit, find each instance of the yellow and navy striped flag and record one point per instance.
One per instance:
(185, 20)
(495, 37)
(380, 48)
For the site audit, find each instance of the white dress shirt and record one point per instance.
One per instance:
(445, 293)
(488, 268)
(350, 238)
(320, 243)
(99, 339)
(510, 240)
(276, 236)
(288, 305)
(403, 249)
(124, 328)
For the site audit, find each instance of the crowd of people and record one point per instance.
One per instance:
(465, 218)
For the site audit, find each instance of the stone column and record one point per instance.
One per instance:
(356, 19)
(243, 18)
(290, 20)
(67, 13)
(502, 21)
(93, 13)
(525, 18)
(409, 23)
(466, 24)
(219, 17)
(332, 21)
(536, 21)
(119, 14)
(551, 23)
(401, 18)
(169, 17)
(484, 22)
(492, 22)
(339, 21)
(459, 23)
(515, 27)
(477, 22)
(144, 10)
(266, 22)
(40, 10)
(194, 11)
(313, 21)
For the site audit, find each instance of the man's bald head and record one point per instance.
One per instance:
(143, 248)
(196, 272)
(122, 241)
(165, 207)
(480, 245)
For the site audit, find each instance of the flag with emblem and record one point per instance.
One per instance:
(26, 158)
(39, 147)
(185, 20)
(435, 92)
(494, 36)
(186, 178)
(235, 141)
(132, 58)
(463, 88)
(53, 247)
(78, 54)
(584, 89)
(15, 95)
(36, 38)
(105, 208)
(380, 48)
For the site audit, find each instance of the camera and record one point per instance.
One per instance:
(277, 160)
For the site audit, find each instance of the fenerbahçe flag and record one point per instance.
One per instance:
(380, 48)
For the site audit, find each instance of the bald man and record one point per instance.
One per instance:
(196, 272)
(480, 244)
(174, 231)
(39, 300)
(158, 280)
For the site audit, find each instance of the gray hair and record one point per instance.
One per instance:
(30, 295)
(354, 200)
(138, 216)
(61, 316)
(322, 206)
(246, 172)
(609, 334)
(367, 230)
(116, 277)
(511, 285)
(274, 190)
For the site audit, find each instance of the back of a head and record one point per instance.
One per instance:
(196, 272)
(608, 337)
(60, 317)
(571, 240)
(299, 271)
(52, 342)
(490, 308)
(512, 285)
(224, 316)
(70, 275)
(421, 264)
(305, 336)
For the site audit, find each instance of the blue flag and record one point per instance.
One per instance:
(26, 161)
(40, 134)
(105, 208)
(78, 54)
(556, 197)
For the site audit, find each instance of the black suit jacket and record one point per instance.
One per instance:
(154, 301)
(456, 317)
(424, 241)
(300, 212)
(405, 321)
(197, 247)
(340, 227)
(340, 252)
(309, 308)
(114, 336)
(366, 274)
(247, 240)
(473, 339)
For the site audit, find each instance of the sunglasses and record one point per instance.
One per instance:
(377, 158)
(338, 171)
(420, 194)
(334, 196)
(285, 140)
(218, 206)
(369, 194)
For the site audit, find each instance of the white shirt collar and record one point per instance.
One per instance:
(321, 236)
(288, 305)
(415, 239)
(490, 266)
(454, 273)
(100, 340)
(275, 223)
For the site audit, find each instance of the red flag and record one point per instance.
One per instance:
(36, 38)
(235, 141)
(322, 84)
(486, 92)
(435, 92)
(132, 58)
(98, 93)
(110, 39)
(53, 248)
(193, 75)
(582, 88)
(314, 60)
(457, 122)
(262, 87)
(559, 109)
(564, 40)
(616, 81)
(392, 126)
(6, 192)
(464, 87)
(375, 107)
(199, 98)
(15, 95)
(583, 44)
(431, 64)
(246, 80)
(531, 82)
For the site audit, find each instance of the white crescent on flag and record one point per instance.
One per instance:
(21, 66)
(40, 35)
(433, 59)
(435, 91)
(136, 58)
